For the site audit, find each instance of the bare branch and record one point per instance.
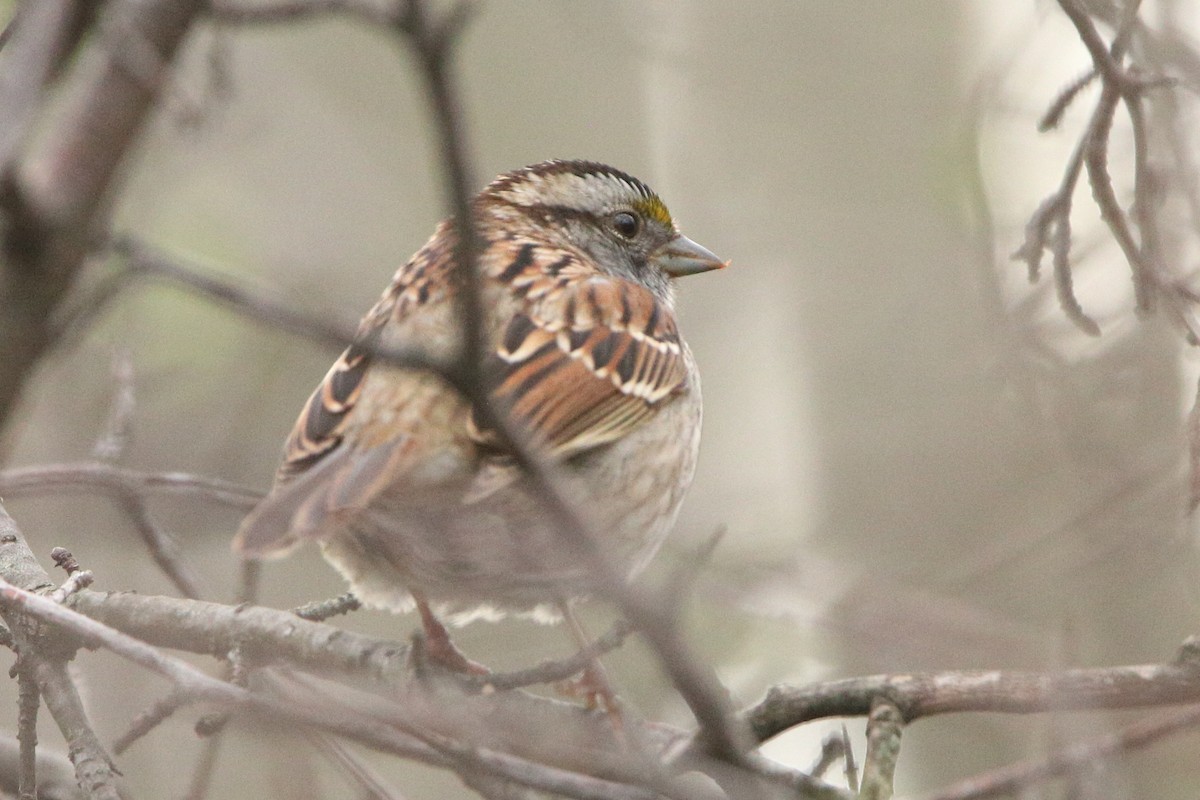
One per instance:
(100, 478)
(1016, 778)
(369, 783)
(883, 751)
(264, 635)
(1053, 115)
(115, 438)
(1096, 158)
(851, 767)
(149, 719)
(93, 767)
(321, 610)
(145, 260)
(17, 564)
(127, 488)
(394, 13)
(54, 196)
(1107, 64)
(163, 548)
(77, 582)
(28, 701)
(56, 774)
(1050, 229)
(919, 695)
(557, 669)
(366, 725)
(46, 662)
(36, 40)
(1050, 226)
(205, 767)
(803, 784)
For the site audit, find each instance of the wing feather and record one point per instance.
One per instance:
(588, 358)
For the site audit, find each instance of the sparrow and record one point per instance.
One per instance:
(417, 503)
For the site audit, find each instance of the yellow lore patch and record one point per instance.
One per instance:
(655, 209)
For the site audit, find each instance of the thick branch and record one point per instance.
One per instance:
(383, 725)
(39, 36)
(28, 701)
(54, 197)
(883, 751)
(260, 634)
(919, 695)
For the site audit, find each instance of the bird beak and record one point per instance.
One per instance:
(681, 256)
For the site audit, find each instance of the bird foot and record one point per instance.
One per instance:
(443, 652)
(594, 688)
(439, 649)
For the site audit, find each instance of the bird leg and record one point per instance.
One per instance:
(438, 646)
(593, 684)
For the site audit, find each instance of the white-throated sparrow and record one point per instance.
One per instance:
(411, 501)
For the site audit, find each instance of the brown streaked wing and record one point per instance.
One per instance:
(319, 428)
(588, 361)
(310, 469)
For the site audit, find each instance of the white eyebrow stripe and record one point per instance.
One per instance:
(603, 191)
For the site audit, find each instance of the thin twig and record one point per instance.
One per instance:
(162, 546)
(809, 787)
(148, 720)
(145, 260)
(1118, 86)
(851, 767)
(556, 669)
(115, 437)
(1016, 778)
(833, 749)
(369, 783)
(100, 478)
(1054, 113)
(206, 765)
(78, 581)
(1050, 229)
(211, 727)
(1050, 226)
(284, 11)
(1096, 159)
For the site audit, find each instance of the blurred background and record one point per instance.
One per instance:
(917, 461)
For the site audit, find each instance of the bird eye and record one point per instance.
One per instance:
(626, 224)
